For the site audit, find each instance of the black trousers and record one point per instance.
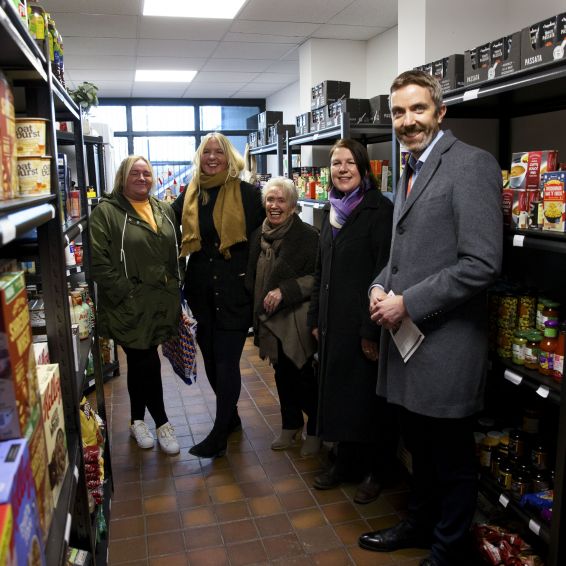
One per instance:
(144, 384)
(221, 351)
(445, 477)
(298, 392)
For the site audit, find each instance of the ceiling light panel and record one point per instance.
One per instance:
(164, 76)
(219, 9)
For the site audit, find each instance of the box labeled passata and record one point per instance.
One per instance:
(19, 403)
(449, 71)
(17, 489)
(53, 426)
(497, 58)
(554, 201)
(544, 42)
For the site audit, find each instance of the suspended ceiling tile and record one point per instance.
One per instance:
(286, 67)
(176, 63)
(99, 62)
(159, 90)
(263, 38)
(275, 78)
(95, 45)
(368, 12)
(359, 33)
(257, 92)
(182, 28)
(94, 25)
(131, 7)
(202, 91)
(291, 29)
(177, 47)
(223, 77)
(314, 11)
(234, 50)
(238, 65)
(99, 75)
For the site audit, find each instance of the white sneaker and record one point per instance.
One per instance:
(167, 440)
(142, 434)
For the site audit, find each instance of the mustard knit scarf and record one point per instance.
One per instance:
(228, 214)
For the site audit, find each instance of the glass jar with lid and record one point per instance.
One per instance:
(532, 349)
(551, 311)
(541, 305)
(547, 347)
(519, 343)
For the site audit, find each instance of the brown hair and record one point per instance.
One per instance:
(419, 78)
(360, 155)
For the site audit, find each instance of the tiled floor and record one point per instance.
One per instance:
(253, 506)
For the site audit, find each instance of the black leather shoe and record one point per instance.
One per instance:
(213, 446)
(402, 535)
(235, 424)
(428, 561)
(329, 479)
(368, 490)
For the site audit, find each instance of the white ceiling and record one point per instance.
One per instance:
(254, 55)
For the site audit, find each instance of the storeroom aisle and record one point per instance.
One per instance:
(253, 506)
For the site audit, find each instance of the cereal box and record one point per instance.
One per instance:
(554, 201)
(19, 403)
(6, 528)
(53, 426)
(38, 459)
(18, 490)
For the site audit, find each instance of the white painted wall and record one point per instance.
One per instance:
(411, 34)
(381, 62)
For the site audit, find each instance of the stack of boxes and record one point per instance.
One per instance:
(269, 126)
(27, 482)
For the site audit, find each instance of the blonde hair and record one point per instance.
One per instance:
(235, 162)
(124, 170)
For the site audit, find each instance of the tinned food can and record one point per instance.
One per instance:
(30, 136)
(34, 175)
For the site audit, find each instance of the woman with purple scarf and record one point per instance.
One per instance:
(354, 246)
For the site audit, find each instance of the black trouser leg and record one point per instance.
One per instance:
(444, 495)
(205, 341)
(288, 382)
(144, 384)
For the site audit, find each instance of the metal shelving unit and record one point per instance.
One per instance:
(529, 92)
(31, 227)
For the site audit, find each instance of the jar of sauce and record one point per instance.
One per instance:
(532, 349)
(519, 343)
(547, 347)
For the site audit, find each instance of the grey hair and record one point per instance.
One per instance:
(288, 187)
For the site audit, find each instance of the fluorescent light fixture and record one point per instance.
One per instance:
(219, 9)
(164, 76)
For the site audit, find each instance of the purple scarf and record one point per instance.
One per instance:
(342, 207)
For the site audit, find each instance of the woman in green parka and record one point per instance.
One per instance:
(134, 243)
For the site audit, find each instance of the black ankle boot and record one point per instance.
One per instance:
(235, 424)
(213, 446)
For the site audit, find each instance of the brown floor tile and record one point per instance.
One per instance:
(266, 505)
(341, 512)
(160, 504)
(283, 546)
(318, 539)
(127, 550)
(220, 477)
(162, 522)
(238, 531)
(226, 493)
(199, 537)
(363, 557)
(126, 491)
(170, 560)
(198, 516)
(208, 557)
(246, 553)
(123, 509)
(335, 557)
(160, 486)
(165, 543)
(185, 468)
(127, 528)
(297, 500)
(307, 519)
(189, 483)
(257, 488)
(189, 499)
(232, 511)
(349, 533)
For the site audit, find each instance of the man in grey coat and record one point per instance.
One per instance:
(445, 252)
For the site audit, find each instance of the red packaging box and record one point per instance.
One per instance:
(19, 401)
(17, 489)
(6, 528)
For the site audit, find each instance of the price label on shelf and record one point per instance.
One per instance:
(543, 391)
(534, 526)
(68, 527)
(504, 500)
(7, 231)
(76, 474)
(471, 94)
(512, 377)
(315, 137)
(518, 240)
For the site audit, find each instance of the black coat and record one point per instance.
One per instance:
(346, 265)
(215, 286)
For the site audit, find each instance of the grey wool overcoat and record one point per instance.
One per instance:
(446, 251)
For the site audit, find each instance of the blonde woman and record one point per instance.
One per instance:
(134, 247)
(218, 212)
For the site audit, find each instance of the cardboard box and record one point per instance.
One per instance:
(318, 119)
(53, 426)
(328, 91)
(379, 109)
(521, 199)
(19, 402)
(303, 122)
(279, 130)
(498, 58)
(252, 140)
(40, 349)
(262, 137)
(543, 42)
(449, 71)
(554, 201)
(357, 108)
(44, 498)
(251, 122)
(268, 118)
(17, 489)
(6, 529)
